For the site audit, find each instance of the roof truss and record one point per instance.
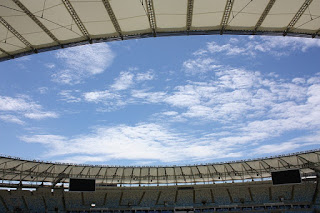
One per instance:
(264, 14)
(226, 15)
(297, 16)
(112, 16)
(189, 14)
(36, 20)
(76, 18)
(18, 35)
(151, 16)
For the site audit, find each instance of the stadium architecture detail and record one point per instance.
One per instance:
(28, 27)
(34, 26)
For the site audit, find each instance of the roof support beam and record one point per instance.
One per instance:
(280, 160)
(189, 14)
(246, 170)
(151, 17)
(194, 179)
(76, 18)
(18, 35)
(264, 15)
(200, 174)
(297, 16)
(36, 20)
(226, 15)
(184, 178)
(112, 17)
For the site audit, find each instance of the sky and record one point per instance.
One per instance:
(163, 101)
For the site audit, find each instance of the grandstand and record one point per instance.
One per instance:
(29, 27)
(36, 186)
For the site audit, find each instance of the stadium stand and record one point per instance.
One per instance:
(227, 187)
(231, 197)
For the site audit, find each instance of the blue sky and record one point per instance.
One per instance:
(163, 101)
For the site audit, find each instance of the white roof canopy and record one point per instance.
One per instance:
(32, 26)
(16, 169)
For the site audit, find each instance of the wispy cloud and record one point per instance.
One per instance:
(200, 65)
(124, 81)
(100, 96)
(117, 94)
(23, 106)
(82, 62)
(12, 119)
(43, 90)
(41, 115)
(243, 46)
(69, 96)
(140, 142)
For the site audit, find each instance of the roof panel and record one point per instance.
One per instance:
(281, 14)
(58, 20)
(23, 24)
(170, 14)
(310, 20)
(12, 44)
(245, 14)
(131, 15)
(207, 13)
(94, 17)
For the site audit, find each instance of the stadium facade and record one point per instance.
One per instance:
(29, 27)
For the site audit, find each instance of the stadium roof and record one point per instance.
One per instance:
(15, 169)
(29, 27)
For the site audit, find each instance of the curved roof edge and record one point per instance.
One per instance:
(159, 34)
(28, 27)
(16, 169)
(161, 166)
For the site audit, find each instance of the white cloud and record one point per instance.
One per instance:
(298, 80)
(118, 94)
(148, 97)
(229, 49)
(23, 106)
(147, 76)
(44, 139)
(170, 113)
(149, 141)
(200, 65)
(248, 107)
(41, 115)
(273, 45)
(291, 145)
(43, 90)
(12, 119)
(124, 81)
(82, 62)
(50, 65)
(100, 96)
(17, 104)
(67, 96)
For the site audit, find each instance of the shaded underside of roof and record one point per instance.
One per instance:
(15, 169)
(28, 27)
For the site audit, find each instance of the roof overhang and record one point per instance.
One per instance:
(16, 169)
(28, 27)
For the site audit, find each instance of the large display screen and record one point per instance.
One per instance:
(82, 185)
(286, 177)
